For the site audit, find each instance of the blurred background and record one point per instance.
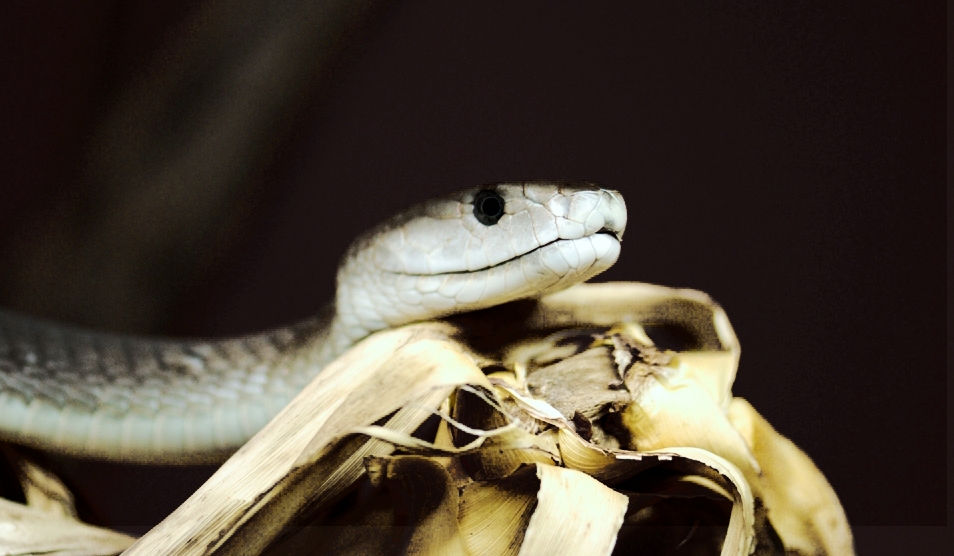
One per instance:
(196, 168)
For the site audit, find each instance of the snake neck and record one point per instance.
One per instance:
(369, 299)
(335, 340)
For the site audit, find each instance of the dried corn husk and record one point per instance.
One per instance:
(27, 530)
(802, 506)
(48, 523)
(42, 489)
(554, 427)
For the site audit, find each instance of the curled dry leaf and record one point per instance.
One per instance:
(575, 514)
(800, 503)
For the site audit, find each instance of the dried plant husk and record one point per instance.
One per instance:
(575, 514)
(494, 514)
(669, 408)
(48, 522)
(598, 420)
(426, 499)
(499, 455)
(41, 488)
(306, 458)
(573, 502)
(799, 501)
(28, 530)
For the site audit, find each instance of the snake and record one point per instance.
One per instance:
(93, 394)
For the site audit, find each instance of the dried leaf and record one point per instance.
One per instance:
(285, 467)
(801, 504)
(494, 514)
(674, 410)
(580, 383)
(575, 514)
(426, 498)
(25, 530)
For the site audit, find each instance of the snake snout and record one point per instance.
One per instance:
(614, 214)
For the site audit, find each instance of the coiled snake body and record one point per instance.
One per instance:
(141, 399)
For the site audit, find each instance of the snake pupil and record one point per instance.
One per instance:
(488, 207)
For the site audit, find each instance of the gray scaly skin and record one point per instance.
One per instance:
(155, 400)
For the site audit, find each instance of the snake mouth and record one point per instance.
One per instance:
(602, 231)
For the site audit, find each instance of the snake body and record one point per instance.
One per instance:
(143, 399)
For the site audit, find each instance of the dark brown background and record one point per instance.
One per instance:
(788, 160)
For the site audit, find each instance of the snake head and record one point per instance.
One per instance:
(477, 248)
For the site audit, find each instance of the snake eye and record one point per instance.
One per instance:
(488, 207)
